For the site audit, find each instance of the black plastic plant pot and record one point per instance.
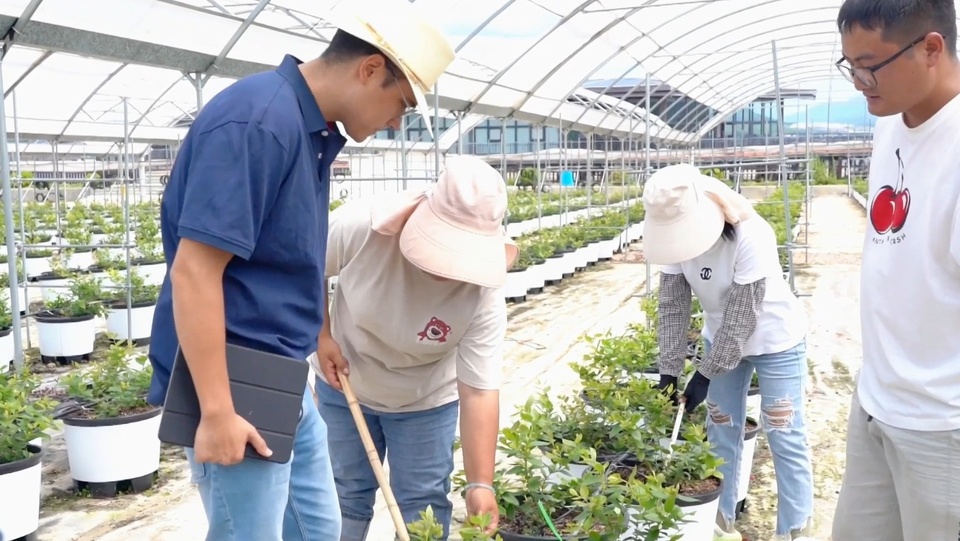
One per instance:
(48, 277)
(754, 390)
(47, 316)
(26, 463)
(111, 421)
(122, 304)
(750, 429)
(694, 500)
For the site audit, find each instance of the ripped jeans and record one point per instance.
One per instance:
(782, 379)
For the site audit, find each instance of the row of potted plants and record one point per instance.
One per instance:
(560, 212)
(109, 428)
(860, 192)
(550, 255)
(523, 206)
(771, 209)
(95, 240)
(67, 320)
(66, 323)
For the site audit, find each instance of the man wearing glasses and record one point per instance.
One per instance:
(903, 438)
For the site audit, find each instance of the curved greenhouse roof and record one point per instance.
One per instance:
(73, 63)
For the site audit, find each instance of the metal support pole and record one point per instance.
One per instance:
(11, 246)
(646, 128)
(198, 83)
(588, 182)
(503, 148)
(20, 196)
(536, 156)
(125, 184)
(646, 166)
(460, 117)
(403, 150)
(436, 131)
(783, 165)
(808, 207)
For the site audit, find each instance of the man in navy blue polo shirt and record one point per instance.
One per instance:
(244, 222)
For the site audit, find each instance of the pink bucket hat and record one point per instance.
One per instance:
(454, 229)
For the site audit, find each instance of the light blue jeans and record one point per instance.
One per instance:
(257, 500)
(418, 446)
(782, 378)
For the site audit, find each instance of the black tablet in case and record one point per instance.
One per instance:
(267, 391)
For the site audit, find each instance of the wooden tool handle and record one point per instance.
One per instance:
(374, 458)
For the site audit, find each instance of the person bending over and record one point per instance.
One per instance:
(418, 319)
(711, 242)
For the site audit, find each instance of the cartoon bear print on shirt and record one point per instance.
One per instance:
(435, 331)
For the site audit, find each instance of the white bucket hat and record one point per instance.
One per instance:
(401, 32)
(681, 220)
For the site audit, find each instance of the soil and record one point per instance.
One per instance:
(529, 524)
(53, 393)
(90, 413)
(628, 468)
(698, 487)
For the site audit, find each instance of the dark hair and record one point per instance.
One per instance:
(345, 47)
(729, 232)
(902, 20)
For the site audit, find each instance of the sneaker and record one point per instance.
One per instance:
(719, 534)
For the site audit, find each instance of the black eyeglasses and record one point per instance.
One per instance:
(867, 74)
(406, 104)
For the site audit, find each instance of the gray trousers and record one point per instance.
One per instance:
(899, 485)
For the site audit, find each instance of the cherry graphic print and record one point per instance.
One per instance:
(888, 212)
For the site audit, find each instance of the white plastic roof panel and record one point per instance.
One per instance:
(152, 21)
(520, 58)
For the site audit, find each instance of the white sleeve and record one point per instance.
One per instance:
(756, 249)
